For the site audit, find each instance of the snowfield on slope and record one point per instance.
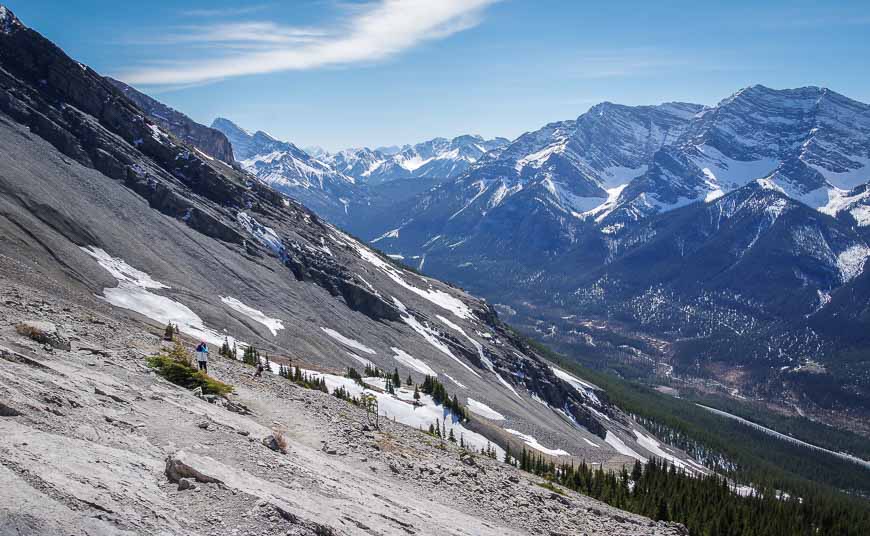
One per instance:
(535, 444)
(479, 408)
(273, 324)
(132, 293)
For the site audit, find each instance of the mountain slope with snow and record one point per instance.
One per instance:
(106, 205)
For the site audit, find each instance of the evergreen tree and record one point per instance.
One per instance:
(662, 510)
(169, 332)
(409, 381)
(451, 437)
(416, 394)
(397, 381)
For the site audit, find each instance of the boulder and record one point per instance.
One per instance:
(276, 442)
(43, 333)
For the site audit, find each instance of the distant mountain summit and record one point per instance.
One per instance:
(812, 143)
(439, 158)
(290, 170)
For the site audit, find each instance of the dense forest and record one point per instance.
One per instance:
(799, 490)
(707, 506)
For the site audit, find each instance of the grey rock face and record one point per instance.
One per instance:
(210, 141)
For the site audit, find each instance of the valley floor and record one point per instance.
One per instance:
(90, 437)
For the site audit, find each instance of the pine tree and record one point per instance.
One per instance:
(409, 381)
(416, 394)
(431, 429)
(662, 511)
(452, 438)
(169, 332)
(636, 471)
(397, 381)
(507, 454)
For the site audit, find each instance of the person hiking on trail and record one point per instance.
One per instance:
(202, 356)
(260, 368)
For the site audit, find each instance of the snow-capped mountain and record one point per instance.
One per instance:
(561, 212)
(811, 143)
(290, 170)
(439, 158)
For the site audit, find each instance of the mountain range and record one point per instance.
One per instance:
(723, 232)
(330, 183)
(729, 228)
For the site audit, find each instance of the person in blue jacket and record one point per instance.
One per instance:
(202, 356)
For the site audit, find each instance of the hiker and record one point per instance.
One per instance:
(202, 356)
(260, 368)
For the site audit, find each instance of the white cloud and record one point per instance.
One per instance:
(373, 32)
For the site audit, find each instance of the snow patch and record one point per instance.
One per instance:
(389, 234)
(429, 334)
(851, 261)
(483, 410)
(273, 324)
(401, 408)
(532, 442)
(620, 447)
(132, 293)
(410, 361)
(650, 444)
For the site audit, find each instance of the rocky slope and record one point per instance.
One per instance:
(93, 442)
(210, 141)
(106, 208)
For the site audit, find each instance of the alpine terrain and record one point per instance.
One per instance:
(720, 242)
(114, 226)
(348, 390)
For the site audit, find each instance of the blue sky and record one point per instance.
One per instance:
(341, 73)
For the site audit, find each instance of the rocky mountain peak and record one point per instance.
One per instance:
(8, 20)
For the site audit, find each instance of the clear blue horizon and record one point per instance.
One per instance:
(339, 74)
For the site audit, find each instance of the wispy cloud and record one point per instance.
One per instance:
(370, 32)
(245, 34)
(224, 12)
